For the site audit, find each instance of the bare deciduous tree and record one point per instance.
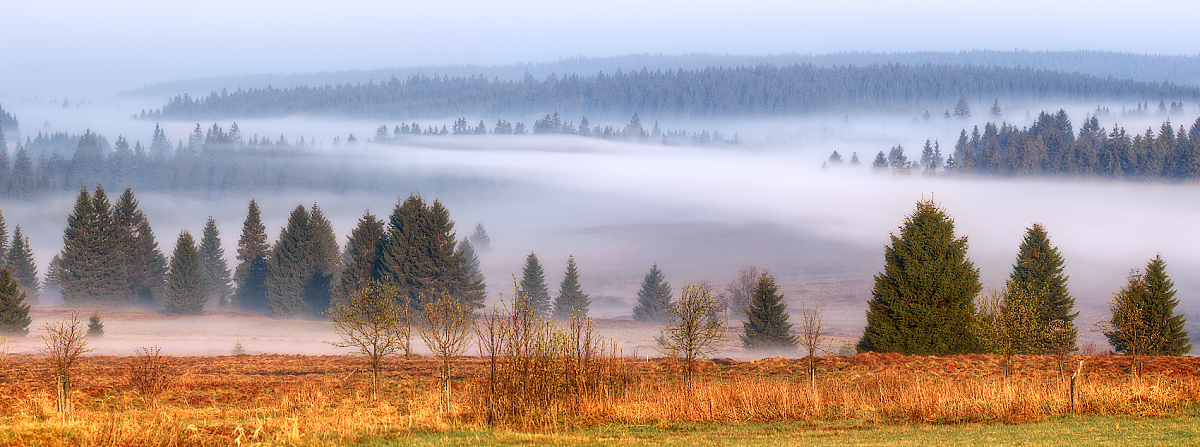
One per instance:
(737, 293)
(372, 324)
(65, 341)
(446, 330)
(812, 336)
(1006, 323)
(696, 328)
(150, 374)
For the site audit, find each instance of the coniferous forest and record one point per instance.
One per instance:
(748, 91)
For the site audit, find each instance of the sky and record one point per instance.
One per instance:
(80, 47)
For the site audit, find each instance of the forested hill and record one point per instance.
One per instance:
(1140, 67)
(763, 90)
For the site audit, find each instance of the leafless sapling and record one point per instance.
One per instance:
(373, 326)
(446, 328)
(812, 336)
(150, 374)
(65, 342)
(696, 328)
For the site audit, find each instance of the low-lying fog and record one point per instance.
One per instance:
(700, 213)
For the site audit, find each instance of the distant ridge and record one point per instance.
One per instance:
(1152, 68)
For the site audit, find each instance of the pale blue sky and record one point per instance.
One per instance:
(77, 45)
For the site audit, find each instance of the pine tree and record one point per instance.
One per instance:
(251, 272)
(185, 280)
(654, 299)
(533, 291)
(1038, 272)
(216, 271)
(145, 265)
(363, 249)
(923, 300)
(766, 324)
(571, 300)
(21, 265)
(474, 290)
(14, 311)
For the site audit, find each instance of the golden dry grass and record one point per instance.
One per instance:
(325, 400)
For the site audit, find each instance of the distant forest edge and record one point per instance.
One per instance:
(764, 90)
(1140, 67)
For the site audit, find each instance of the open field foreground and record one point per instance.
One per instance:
(864, 399)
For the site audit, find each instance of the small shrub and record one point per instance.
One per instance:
(95, 326)
(238, 350)
(150, 374)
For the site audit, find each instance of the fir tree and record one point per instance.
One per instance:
(571, 300)
(474, 290)
(145, 265)
(322, 288)
(480, 239)
(533, 291)
(14, 312)
(21, 265)
(363, 249)
(654, 299)
(766, 324)
(3, 240)
(1038, 272)
(216, 271)
(185, 280)
(302, 265)
(251, 272)
(923, 300)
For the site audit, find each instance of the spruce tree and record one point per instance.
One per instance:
(250, 276)
(92, 265)
(533, 291)
(363, 249)
(145, 265)
(302, 265)
(324, 249)
(480, 239)
(1038, 272)
(21, 265)
(216, 271)
(1150, 299)
(419, 255)
(185, 280)
(14, 311)
(923, 300)
(766, 324)
(474, 290)
(3, 240)
(571, 300)
(654, 299)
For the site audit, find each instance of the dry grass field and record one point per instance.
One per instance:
(325, 400)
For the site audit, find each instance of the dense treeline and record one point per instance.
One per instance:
(1103, 64)
(210, 160)
(762, 90)
(1051, 147)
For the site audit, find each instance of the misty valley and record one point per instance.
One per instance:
(846, 240)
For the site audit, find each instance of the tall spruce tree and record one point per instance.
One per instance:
(533, 291)
(216, 272)
(21, 266)
(92, 265)
(1151, 298)
(766, 324)
(474, 290)
(145, 265)
(419, 256)
(302, 265)
(14, 311)
(250, 276)
(654, 299)
(362, 252)
(571, 300)
(1038, 272)
(185, 280)
(923, 300)
(3, 240)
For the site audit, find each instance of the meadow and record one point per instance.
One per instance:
(864, 399)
